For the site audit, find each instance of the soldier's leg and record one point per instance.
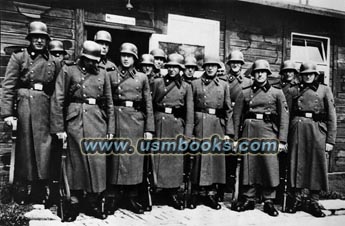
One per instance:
(247, 199)
(174, 198)
(314, 207)
(69, 211)
(211, 197)
(294, 202)
(113, 197)
(132, 199)
(94, 204)
(269, 194)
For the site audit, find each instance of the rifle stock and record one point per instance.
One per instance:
(13, 151)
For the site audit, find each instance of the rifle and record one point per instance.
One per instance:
(150, 179)
(13, 151)
(65, 195)
(188, 181)
(286, 174)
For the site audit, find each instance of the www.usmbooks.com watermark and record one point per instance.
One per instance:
(180, 145)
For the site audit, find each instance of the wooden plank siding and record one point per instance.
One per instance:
(258, 31)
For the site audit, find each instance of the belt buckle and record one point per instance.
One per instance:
(91, 101)
(128, 103)
(259, 116)
(38, 86)
(168, 110)
(211, 111)
(308, 115)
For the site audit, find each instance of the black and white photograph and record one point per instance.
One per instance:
(172, 112)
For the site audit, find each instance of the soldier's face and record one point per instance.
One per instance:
(308, 77)
(211, 69)
(288, 75)
(39, 42)
(147, 69)
(260, 76)
(221, 71)
(173, 70)
(235, 66)
(127, 60)
(90, 64)
(189, 72)
(104, 47)
(159, 61)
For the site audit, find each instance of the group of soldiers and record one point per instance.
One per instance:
(94, 98)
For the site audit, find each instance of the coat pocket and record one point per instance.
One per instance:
(72, 115)
(322, 127)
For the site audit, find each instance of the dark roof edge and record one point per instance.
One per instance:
(300, 8)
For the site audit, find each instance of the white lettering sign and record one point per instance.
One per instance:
(119, 19)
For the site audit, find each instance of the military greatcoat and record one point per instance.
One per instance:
(29, 84)
(71, 112)
(313, 124)
(130, 122)
(261, 169)
(176, 94)
(211, 93)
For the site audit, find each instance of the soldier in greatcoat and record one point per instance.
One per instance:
(213, 116)
(174, 113)
(263, 113)
(57, 49)
(28, 85)
(133, 120)
(235, 62)
(191, 66)
(288, 73)
(312, 133)
(159, 59)
(147, 66)
(104, 39)
(82, 107)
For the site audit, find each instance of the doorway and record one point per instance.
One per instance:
(140, 39)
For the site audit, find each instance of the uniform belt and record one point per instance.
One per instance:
(34, 86)
(312, 115)
(211, 111)
(90, 101)
(129, 103)
(265, 116)
(177, 111)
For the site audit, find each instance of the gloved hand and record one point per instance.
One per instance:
(329, 147)
(148, 135)
(10, 121)
(282, 148)
(62, 135)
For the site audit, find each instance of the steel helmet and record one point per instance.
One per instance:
(261, 65)
(129, 48)
(91, 50)
(308, 67)
(190, 61)
(158, 53)
(147, 59)
(39, 28)
(102, 36)
(175, 59)
(56, 46)
(288, 65)
(211, 60)
(235, 56)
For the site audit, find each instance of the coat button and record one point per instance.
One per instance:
(31, 96)
(83, 87)
(84, 95)
(163, 118)
(119, 88)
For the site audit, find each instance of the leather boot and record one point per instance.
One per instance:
(315, 209)
(212, 201)
(245, 204)
(176, 202)
(134, 206)
(68, 212)
(95, 207)
(270, 209)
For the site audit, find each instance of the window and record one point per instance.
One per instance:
(312, 48)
